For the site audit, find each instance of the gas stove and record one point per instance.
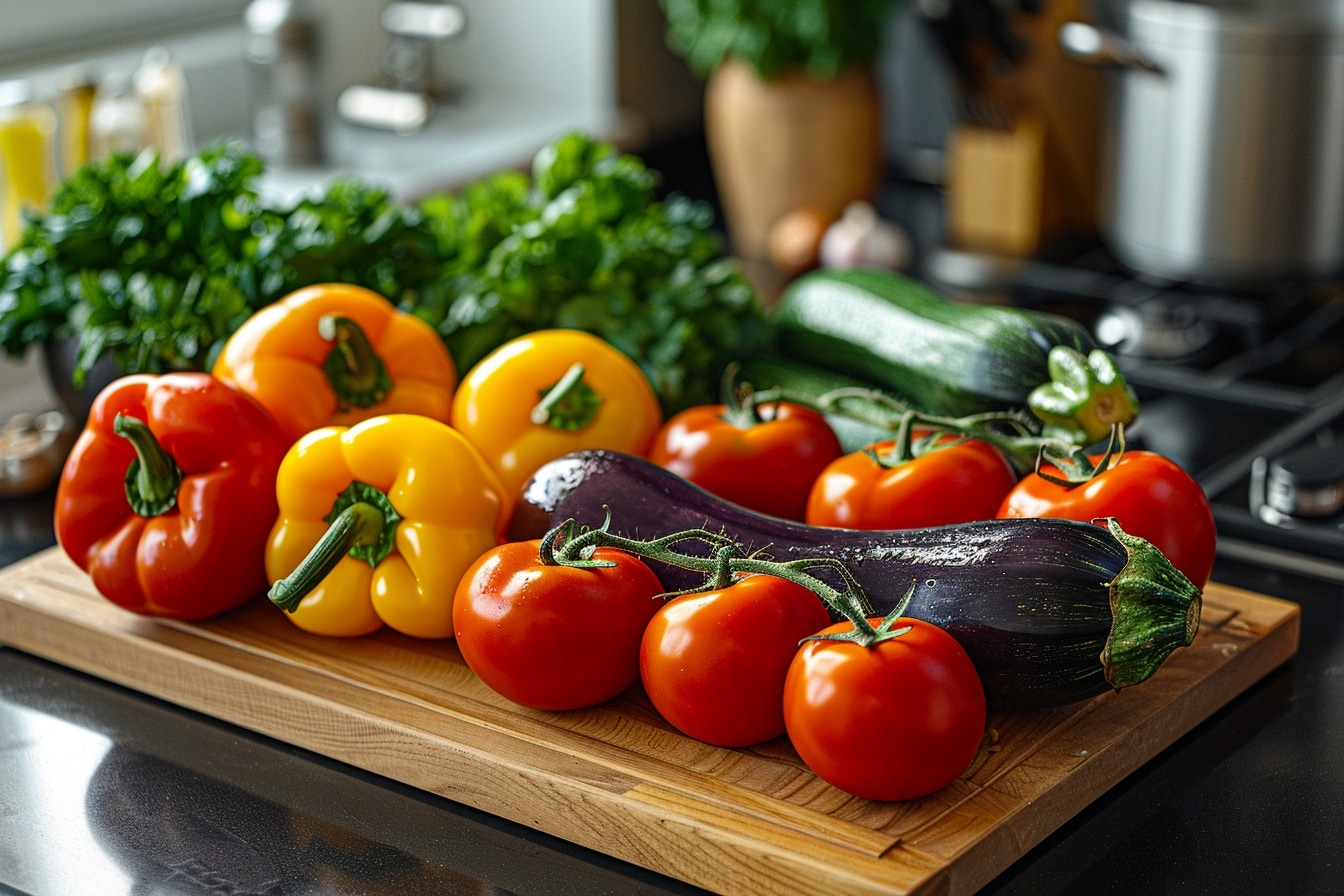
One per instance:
(1245, 391)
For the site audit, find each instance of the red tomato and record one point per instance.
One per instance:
(1151, 496)
(894, 721)
(954, 482)
(768, 467)
(713, 664)
(554, 637)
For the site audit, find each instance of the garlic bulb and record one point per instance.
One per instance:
(862, 239)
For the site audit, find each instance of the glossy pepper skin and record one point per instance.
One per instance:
(335, 354)
(526, 403)
(200, 551)
(441, 508)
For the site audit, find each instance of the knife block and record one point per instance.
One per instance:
(996, 187)
(1030, 173)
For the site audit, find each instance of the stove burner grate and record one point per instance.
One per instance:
(1239, 389)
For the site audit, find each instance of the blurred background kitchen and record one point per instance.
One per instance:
(1170, 172)
(417, 97)
(425, 97)
(420, 97)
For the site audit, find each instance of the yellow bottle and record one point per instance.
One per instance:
(76, 106)
(27, 130)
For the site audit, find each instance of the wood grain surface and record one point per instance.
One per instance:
(617, 778)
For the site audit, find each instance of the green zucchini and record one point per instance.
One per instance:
(945, 358)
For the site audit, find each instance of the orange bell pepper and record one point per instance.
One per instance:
(543, 395)
(335, 354)
(378, 523)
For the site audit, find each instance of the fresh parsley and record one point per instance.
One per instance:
(157, 264)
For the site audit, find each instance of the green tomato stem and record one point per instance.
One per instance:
(1017, 434)
(1076, 467)
(725, 561)
(742, 403)
(1085, 400)
(153, 478)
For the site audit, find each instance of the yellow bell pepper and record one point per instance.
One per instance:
(378, 522)
(543, 395)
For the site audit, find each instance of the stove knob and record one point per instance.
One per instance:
(1307, 481)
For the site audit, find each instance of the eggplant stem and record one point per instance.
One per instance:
(1155, 609)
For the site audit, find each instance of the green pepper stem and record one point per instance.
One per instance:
(570, 404)
(359, 525)
(356, 373)
(153, 478)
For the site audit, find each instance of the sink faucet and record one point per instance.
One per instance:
(281, 51)
(404, 99)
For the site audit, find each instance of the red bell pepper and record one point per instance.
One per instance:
(168, 497)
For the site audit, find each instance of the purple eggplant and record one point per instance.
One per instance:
(1050, 611)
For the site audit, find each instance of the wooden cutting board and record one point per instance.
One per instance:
(616, 778)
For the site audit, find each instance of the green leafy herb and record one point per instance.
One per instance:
(822, 36)
(352, 233)
(136, 258)
(586, 245)
(157, 265)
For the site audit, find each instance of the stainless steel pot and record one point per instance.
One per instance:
(1226, 153)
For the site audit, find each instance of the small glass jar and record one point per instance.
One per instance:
(117, 120)
(78, 90)
(162, 89)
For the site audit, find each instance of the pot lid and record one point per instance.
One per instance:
(1260, 25)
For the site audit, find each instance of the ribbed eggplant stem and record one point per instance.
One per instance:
(1154, 608)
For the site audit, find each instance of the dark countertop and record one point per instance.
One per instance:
(106, 791)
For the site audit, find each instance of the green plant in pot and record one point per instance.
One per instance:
(792, 108)
(143, 267)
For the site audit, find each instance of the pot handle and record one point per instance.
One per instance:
(1091, 45)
